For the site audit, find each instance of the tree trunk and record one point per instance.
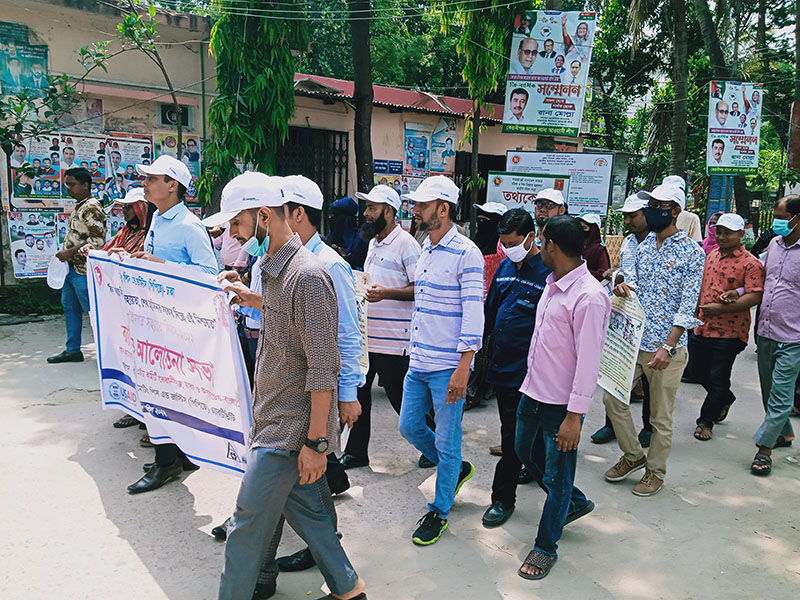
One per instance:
(797, 51)
(761, 36)
(362, 92)
(476, 134)
(680, 87)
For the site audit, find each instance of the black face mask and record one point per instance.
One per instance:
(658, 219)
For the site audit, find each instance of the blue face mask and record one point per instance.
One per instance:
(252, 247)
(781, 226)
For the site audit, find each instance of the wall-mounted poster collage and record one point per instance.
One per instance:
(39, 205)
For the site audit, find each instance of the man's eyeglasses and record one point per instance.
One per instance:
(724, 112)
(661, 204)
(528, 52)
(546, 204)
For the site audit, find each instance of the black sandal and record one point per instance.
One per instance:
(762, 465)
(698, 433)
(540, 561)
(723, 414)
(125, 421)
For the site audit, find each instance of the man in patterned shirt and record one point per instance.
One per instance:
(295, 414)
(669, 271)
(446, 332)
(87, 225)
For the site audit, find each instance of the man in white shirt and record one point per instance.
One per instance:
(526, 56)
(516, 106)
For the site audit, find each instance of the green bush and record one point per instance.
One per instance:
(30, 298)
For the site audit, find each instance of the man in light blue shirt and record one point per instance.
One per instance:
(446, 332)
(176, 236)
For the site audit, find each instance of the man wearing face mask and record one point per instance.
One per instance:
(510, 312)
(669, 272)
(778, 339)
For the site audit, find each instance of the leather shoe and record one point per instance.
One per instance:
(299, 561)
(187, 466)
(220, 532)
(66, 357)
(604, 435)
(496, 514)
(264, 591)
(156, 477)
(351, 462)
(525, 476)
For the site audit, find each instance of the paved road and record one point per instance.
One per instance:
(71, 530)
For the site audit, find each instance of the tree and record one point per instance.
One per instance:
(360, 16)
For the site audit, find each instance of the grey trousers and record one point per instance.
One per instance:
(270, 488)
(778, 367)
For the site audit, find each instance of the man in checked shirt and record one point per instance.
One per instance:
(446, 332)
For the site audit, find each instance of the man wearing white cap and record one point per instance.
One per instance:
(391, 263)
(177, 237)
(295, 415)
(446, 332)
(549, 203)
(726, 326)
(687, 220)
(669, 271)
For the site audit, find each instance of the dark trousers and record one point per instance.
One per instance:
(167, 454)
(713, 362)
(504, 486)
(645, 407)
(391, 371)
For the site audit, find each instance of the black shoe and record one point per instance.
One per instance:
(525, 476)
(604, 435)
(496, 514)
(299, 561)
(580, 513)
(644, 438)
(467, 471)
(424, 463)
(66, 357)
(430, 529)
(220, 532)
(340, 485)
(187, 466)
(351, 462)
(264, 591)
(156, 477)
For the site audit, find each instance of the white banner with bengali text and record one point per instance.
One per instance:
(519, 190)
(623, 338)
(168, 354)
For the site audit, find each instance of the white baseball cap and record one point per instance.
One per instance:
(731, 221)
(301, 190)
(437, 187)
(167, 165)
(133, 195)
(492, 207)
(591, 218)
(665, 193)
(551, 194)
(245, 191)
(381, 194)
(633, 203)
(675, 180)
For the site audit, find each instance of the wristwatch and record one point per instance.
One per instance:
(670, 349)
(320, 446)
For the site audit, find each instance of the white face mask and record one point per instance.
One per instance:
(517, 253)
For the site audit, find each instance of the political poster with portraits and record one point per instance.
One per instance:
(126, 153)
(389, 172)
(23, 66)
(734, 127)
(35, 173)
(621, 348)
(166, 143)
(550, 56)
(168, 354)
(443, 147)
(590, 175)
(519, 190)
(86, 151)
(33, 241)
(416, 155)
(362, 283)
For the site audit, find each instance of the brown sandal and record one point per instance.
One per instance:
(698, 433)
(539, 560)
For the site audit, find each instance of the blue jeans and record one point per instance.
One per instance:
(421, 392)
(562, 496)
(778, 367)
(75, 300)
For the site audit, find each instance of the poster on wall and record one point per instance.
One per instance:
(126, 153)
(550, 56)
(443, 148)
(87, 151)
(23, 67)
(39, 184)
(33, 242)
(734, 127)
(388, 172)
(417, 149)
(519, 190)
(85, 115)
(590, 175)
(167, 142)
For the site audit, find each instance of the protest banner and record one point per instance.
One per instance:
(417, 149)
(33, 242)
(168, 354)
(734, 127)
(362, 284)
(519, 190)
(443, 148)
(589, 175)
(550, 56)
(623, 338)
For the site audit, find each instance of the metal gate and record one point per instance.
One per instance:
(319, 154)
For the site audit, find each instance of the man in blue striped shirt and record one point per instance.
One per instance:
(446, 332)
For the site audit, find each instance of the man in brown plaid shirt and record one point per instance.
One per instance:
(295, 415)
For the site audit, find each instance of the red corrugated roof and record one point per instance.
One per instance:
(397, 98)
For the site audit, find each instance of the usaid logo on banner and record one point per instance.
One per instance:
(115, 390)
(233, 455)
(98, 275)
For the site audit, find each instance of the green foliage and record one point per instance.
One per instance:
(30, 297)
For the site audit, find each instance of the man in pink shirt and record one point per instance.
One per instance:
(563, 363)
